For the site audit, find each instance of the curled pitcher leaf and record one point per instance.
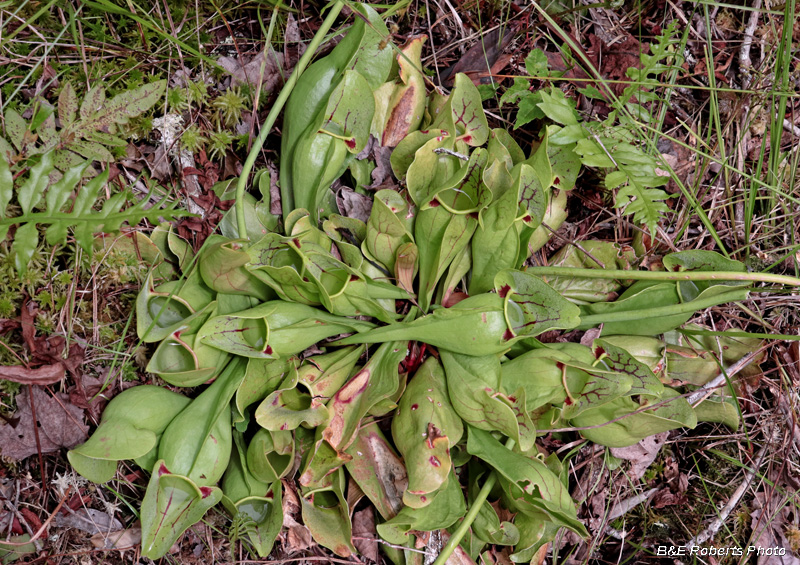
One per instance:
(474, 384)
(275, 262)
(444, 509)
(194, 451)
(172, 306)
(130, 428)
(222, 267)
(301, 398)
(262, 376)
(531, 306)
(615, 425)
(350, 107)
(276, 329)
(533, 487)
(326, 513)
(378, 470)
(172, 504)
(181, 359)
(255, 507)
(463, 113)
(390, 226)
(424, 429)
(484, 324)
(440, 237)
(406, 104)
(377, 381)
(270, 455)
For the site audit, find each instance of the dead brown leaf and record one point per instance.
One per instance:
(354, 205)
(60, 424)
(769, 522)
(121, 539)
(641, 454)
(364, 533)
(249, 72)
(45, 375)
(88, 520)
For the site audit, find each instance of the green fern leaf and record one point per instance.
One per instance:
(30, 193)
(25, 241)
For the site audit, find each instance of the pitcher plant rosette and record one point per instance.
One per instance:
(318, 353)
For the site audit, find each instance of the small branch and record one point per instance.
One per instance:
(273, 116)
(720, 379)
(662, 275)
(744, 53)
(444, 150)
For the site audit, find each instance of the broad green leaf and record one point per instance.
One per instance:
(16, 128)
(445, 508)
(59, 193)
(350, 107)
(26, 239)
(93, 101)
(424, 429)
(477, 397)
(440, 236)
(87, 196)
(533, 486)
(556, 107)
(378, 470)
(171, 505)
(130, 428)
(590, 254)
(276, 329)
(6, 185)
(31, 191)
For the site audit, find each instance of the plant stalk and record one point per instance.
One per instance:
(662, 275)
(465, 524)
(335, 8)
(660, 311)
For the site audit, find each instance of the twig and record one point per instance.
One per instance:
(720, 379)
(789, 126)
(440, 150)
(744, 53)
(622, 508)
(715, 526)
(44, 526)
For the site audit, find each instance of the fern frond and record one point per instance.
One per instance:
(70, 205)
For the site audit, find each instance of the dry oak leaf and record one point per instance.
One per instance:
(60, 424)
